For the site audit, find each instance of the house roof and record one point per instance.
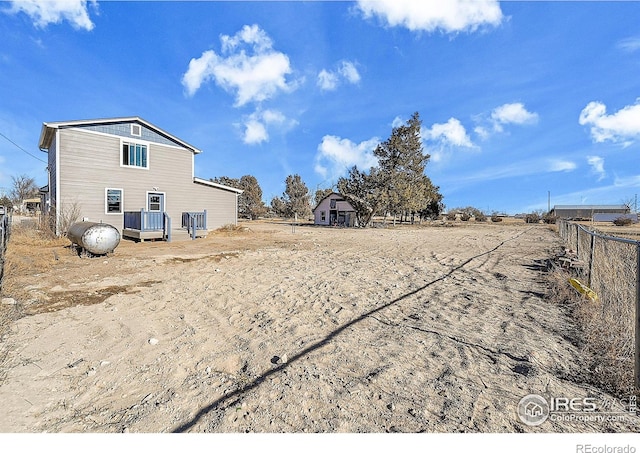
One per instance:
(48, 130)
(215, 184)
(327, 196)
(591, 207)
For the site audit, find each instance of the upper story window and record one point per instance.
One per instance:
(134, 155)
(136, 130)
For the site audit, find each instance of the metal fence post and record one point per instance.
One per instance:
(593, 244)
(636, 373)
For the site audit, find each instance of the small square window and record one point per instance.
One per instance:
(136, 130)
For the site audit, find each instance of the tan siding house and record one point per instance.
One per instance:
(108, 168)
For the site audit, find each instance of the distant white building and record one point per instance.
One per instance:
(587, 211)
(334, 210)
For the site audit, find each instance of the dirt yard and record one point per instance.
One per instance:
(408, 329)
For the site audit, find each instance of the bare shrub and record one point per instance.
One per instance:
(69, 213)
(496, 218)
(465, 216)
(549, 219)
(231, 229)
(480, 217)
(622, 221)
(451, 216)
(534, 217)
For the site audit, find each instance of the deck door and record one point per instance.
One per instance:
(155, 202)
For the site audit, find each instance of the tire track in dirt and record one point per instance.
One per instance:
(308, 350)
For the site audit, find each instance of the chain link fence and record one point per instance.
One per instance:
(610, 267)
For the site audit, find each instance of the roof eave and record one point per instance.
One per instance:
(216, 185)
(47, 129)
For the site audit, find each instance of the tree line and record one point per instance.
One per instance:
(397, 187)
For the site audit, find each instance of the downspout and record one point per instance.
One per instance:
(57, 200)
(237, 197)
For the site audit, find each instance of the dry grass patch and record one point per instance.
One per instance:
(605, 335)
(30, 252)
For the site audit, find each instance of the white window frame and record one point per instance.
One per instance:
(135, 142)
(164, 199)
(106, 201)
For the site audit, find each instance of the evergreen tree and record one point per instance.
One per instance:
(320, 194)
(250, 204)
(402, 162)
(364, 193)
(295, 199)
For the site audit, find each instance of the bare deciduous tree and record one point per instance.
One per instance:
(24, 187)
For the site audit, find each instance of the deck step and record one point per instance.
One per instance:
(183, 235)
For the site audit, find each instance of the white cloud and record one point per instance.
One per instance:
(347, 71)
(328, 81)
(629, 44)
(514, 113)
(336, 155)
(482, 132)
(45, 12)
(451, 133)
(429, 15)
(257, 125)
(510, 113)
(557, 165)
(248, 67)
(597, 166)
(255, 132)
(622, 126)
(397, 122)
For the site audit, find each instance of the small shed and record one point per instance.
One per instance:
(31, 205)
(334, 210)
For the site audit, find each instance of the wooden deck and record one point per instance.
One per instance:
(142, 235)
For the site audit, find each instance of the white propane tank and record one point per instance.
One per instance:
(97, 238)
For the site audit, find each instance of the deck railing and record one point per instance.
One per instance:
(148, 221)
(194, 221)
(144, 220)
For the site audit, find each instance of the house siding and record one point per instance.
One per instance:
(91, 164)
(124, 130)
(52, 168)
(325, 205)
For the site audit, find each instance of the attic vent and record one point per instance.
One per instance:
(136, 130)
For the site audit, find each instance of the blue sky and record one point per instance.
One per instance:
(516, 98)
